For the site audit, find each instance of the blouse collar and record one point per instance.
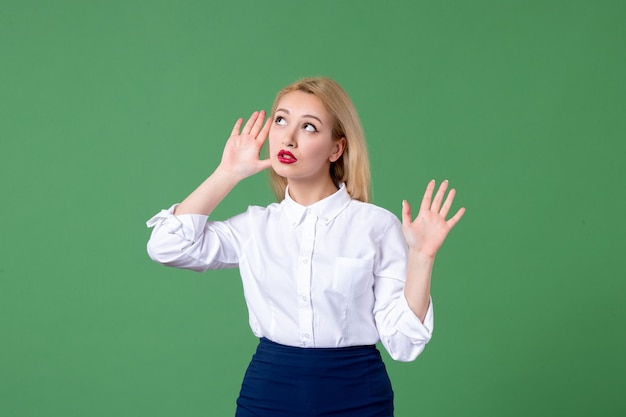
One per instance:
(326, 209)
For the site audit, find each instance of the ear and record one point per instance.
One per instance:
(339, 147)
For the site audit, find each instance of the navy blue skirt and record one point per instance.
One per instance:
(285, 381)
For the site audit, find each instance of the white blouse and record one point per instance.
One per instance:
(326, 275)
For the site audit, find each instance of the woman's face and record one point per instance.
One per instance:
(301, 145)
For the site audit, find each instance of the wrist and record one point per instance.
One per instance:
(227, 176)
(419, 254)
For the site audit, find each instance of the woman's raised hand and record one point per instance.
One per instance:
(241, 156)
(429, 230)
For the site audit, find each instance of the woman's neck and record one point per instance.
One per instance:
(305, 193)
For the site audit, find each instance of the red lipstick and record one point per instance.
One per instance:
(286, 157)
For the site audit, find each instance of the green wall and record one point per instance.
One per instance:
(110, 111)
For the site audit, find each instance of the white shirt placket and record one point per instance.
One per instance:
(303, 281)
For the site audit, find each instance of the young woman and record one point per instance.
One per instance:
(326, 274)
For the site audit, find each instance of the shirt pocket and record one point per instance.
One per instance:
(352, 276)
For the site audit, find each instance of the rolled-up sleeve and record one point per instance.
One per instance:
(401, 332)
(188, 241)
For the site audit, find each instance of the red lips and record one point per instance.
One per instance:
(286, 157)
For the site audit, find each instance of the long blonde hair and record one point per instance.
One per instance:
(352, 167)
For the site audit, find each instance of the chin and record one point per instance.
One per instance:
(279, 169)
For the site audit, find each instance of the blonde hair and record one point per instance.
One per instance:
(352, 167)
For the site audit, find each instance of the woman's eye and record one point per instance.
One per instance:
(279, 120)
(309, 127)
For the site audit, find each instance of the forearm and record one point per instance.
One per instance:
(209, 194)
(417, 286)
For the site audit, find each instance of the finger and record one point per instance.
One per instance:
(237, 127)
(406, 213)
(248, 126)
(258, 124)
(427, 195)
(439, 196)
(448, 203)
(264, 164)
(455, 219)
(264, 133)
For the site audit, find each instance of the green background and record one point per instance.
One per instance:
(110, 111)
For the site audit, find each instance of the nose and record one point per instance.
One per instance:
(289, 138)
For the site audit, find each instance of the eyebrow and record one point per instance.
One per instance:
(304, 115)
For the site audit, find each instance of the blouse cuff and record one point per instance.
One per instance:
(186, 226)
(411, 326)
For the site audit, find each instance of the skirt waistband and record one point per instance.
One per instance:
(347, 351)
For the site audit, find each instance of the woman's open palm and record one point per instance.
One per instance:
(242, 150)
(428, 231)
